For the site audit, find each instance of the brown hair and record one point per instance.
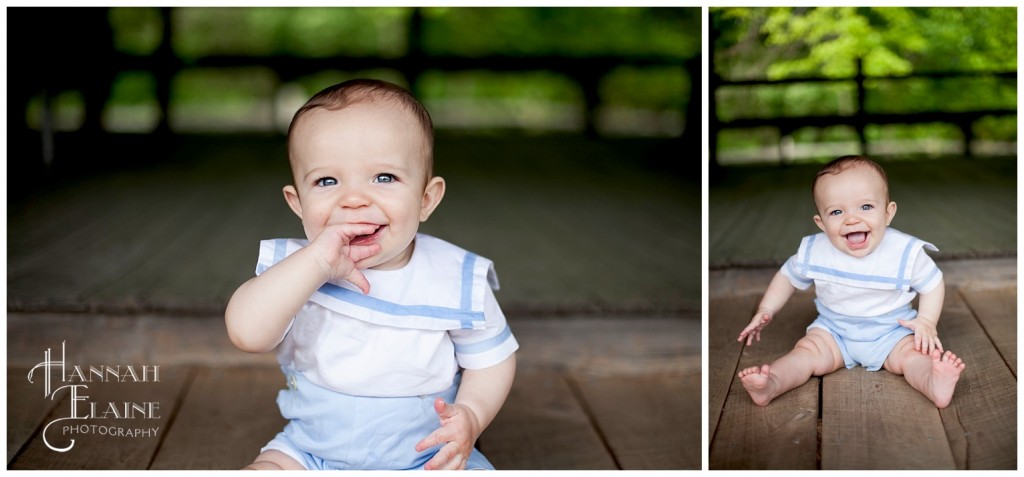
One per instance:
(843, 163)
(357, 91)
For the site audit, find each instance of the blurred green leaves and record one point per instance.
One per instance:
(631, 96)
(891, 42)
(776, 43)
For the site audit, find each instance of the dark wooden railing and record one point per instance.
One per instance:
(860, 118)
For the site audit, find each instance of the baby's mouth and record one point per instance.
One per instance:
(368, 238)
(856, 239)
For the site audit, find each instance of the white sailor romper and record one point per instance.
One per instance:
(363, 370)
(859, 300)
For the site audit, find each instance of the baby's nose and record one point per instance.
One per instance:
(353, 197)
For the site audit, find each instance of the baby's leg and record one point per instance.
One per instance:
(274, 460)
(816, 354)
(934, 375)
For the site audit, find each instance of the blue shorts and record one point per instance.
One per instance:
(864, 341)
(328, 430)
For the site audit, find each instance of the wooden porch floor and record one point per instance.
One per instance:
(608, 393)
(853, 419)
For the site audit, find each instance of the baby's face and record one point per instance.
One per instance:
(364, 164)
(853, 209)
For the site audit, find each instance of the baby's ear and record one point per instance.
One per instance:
(818, 222)
(291, 196)
(432, 195)
(890, 212)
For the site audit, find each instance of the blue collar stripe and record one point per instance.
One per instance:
(485, 345)
(856, 276)
(905, 257)
(931, 276)
(280, 250)
(795, 273)
(468, 264)
(465, 317)
(807, 251)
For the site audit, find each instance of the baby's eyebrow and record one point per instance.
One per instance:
(314, 173)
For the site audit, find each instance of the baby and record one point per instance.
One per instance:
(865, 275)
(395, 351)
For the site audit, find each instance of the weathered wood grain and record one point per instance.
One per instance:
(789, 423)
(996, 311)
(875, 420)
(107, 445)
(984, 411)
(649, 422)
(226, 417)
(726, 318)
(543, 427)
(26, 408)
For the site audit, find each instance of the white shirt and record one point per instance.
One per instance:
(887, 279)
(410, 335)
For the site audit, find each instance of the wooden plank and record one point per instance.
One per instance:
(227, 416)
(875, 420)
(982, 418)
(784, 434)
(166, 340)
(27, 408)
(649, 422)
(646, 344)
(106, 442)
(996, 311)
(543, 427)
(727, 317)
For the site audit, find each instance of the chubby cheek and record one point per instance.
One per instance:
(315, 222)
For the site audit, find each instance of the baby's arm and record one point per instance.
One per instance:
(480, 397)
(926, 336)
(260, 311)
(778, 293)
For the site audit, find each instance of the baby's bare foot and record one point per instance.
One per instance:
(757, 381)
(946, 371)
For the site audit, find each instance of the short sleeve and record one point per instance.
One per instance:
(478, 349)
(797, 278)
(926, 275)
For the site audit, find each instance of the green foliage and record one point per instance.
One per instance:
(137, 31)
(488, 101)
(133, 87)
(309, 32)
(656, 88)
(827, 42)
(797, 42)
(573, 32)
(543, 99)
(786, 100)
(223, 87)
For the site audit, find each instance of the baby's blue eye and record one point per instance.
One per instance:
(867, 207)
(835, 212)
(326, 181)
(385, 178)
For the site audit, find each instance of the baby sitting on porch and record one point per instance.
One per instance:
(403, 375)
(865, 276)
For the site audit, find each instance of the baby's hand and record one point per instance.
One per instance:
(459, 426)
(926, 338)
(337, 259)
(753, 330)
